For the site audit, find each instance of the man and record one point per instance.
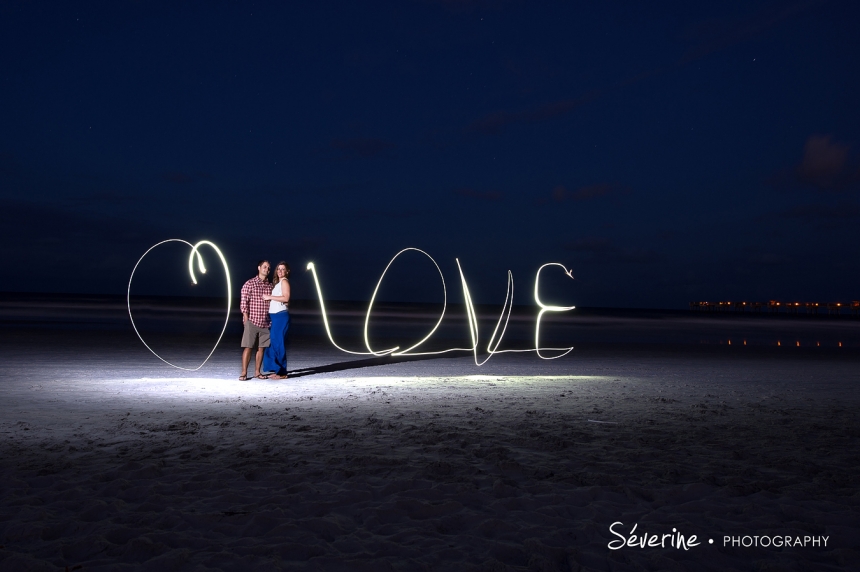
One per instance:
(255, 316)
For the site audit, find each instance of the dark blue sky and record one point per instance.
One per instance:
(667, 152)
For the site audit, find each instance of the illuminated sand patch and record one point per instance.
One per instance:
(135, 390)
(484, 472)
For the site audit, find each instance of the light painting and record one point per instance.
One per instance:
(195, 252)
(492, 347)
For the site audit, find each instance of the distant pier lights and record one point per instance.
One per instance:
(775, 306)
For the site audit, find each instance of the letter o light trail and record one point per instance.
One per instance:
(471, 315)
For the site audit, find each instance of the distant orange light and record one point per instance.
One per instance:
(777, 343)
(840, 344)
(745, 342)
(730, 342)
(798, 344)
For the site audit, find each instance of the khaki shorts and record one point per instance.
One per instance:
(255, 336)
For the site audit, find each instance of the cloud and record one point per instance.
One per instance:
(822, 216)
(707, 37)
(299, 244)
(96, 198)
(589, 192)
(9, 165)
(717, 35)
(361, 147)
(387, 213)
(98, 249)
(177, 177)
(482, 195)
(365, 59)
(825, 165)
(591, 245)
(768, 259)
(460, 6)
(494, 123)
(599, 249)
(349, 187)
(581, 194)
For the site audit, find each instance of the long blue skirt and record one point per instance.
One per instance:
(275, 358)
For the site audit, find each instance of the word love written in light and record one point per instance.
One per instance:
(492, 346)
(495, 338)
(195, 252)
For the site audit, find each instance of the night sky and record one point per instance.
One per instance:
(665, 151)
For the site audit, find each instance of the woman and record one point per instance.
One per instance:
(275, 358)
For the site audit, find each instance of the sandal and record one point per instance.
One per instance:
(261, 376)
(243, 378)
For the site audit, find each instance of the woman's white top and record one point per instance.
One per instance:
(275, 307)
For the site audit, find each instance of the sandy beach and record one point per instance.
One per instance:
(113, 461)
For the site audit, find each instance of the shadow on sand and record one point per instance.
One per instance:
(369, 362)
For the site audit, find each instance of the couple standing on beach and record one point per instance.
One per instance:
(266, 315)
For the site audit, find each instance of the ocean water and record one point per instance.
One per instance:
(200, 320)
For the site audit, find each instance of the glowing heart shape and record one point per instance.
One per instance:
(195, 250)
